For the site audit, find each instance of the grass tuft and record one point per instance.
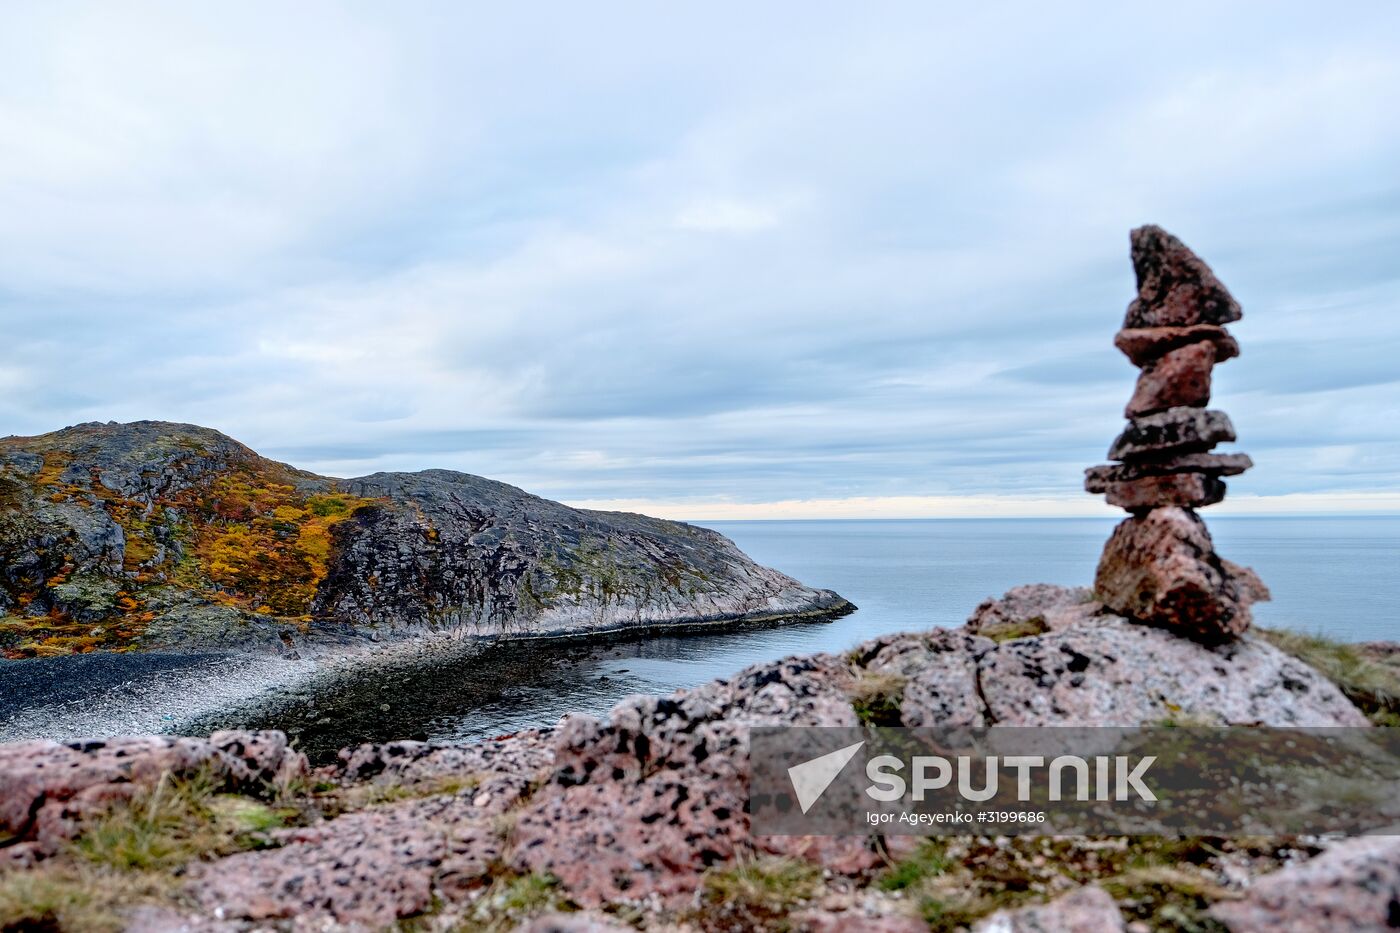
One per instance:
(876, 697)
(756, 893)
(181, 820)
(65, 896)
(930, 860)
(513, 899)
(1372, 683)
(1014, 628)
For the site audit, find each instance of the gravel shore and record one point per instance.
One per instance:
(96, 695)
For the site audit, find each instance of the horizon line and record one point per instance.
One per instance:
(917, 508)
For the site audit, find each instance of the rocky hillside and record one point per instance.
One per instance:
(159, 535)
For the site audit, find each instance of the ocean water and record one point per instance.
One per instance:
(1338, 576)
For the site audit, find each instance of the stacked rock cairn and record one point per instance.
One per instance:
(1159, 566)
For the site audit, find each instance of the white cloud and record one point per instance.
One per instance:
(726, 216)
(863, 262)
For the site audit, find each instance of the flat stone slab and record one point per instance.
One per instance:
(1141, 345)
(1187, 430)
(1097, 478)
(1190, 490)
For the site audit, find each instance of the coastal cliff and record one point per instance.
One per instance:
(155, 535)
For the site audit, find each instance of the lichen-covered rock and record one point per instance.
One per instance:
(938, 673)
(1176, 430)
(1353, 886)
(1055, 606)
(369, 867)
(388, 861)
(1177, 378)
(524, 754)
(1098, 478)
(1161, 568)
(160, 535)
(1175, 286)
(1088, 909)
(1142, 345)
(47, 789)
(640, 805)
(1187, 490)
(1110, 672)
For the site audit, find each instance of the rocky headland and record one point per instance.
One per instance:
(639, 819)
(159, 536)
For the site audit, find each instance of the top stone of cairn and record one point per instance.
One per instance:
(1175, 288)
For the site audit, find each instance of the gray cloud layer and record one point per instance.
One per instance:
(754, 253)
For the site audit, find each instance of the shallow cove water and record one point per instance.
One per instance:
(1340, 576)
(1336, 575)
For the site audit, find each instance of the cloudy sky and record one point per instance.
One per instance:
(705, 260)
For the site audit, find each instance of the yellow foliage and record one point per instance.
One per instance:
(266, 545)
(253, 540)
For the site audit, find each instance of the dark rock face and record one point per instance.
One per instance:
(163, 535)
(482, 556)
(1160, 567)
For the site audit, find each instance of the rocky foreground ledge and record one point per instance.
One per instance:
(161, 536)
(638, 820)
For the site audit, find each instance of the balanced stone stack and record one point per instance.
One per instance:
(1160, 566)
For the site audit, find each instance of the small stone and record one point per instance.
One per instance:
(1191, 490)
(1021, 607)
(1089, 909)
(1161, 568)
(1141, 345)
(1178, 378)
(1175, 288)
(1186, 430)
(586, 922)
(1097, 478)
